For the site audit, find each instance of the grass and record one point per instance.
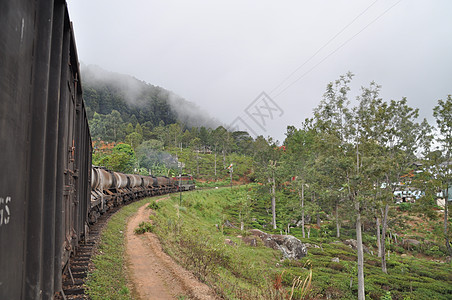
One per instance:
(194, 234)
(109, 279)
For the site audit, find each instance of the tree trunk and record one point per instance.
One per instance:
(359, 241)
(383, 239)
(197, 162)
(301, 195)
(273, 200)
(378, 237)
(317, 215)
(338, 225)
(215, 168)
(446, 209)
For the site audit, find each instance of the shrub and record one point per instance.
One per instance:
(153, 205)
(405, 206)
(336, 266)
(144, 227)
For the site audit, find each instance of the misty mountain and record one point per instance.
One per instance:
(138, 101)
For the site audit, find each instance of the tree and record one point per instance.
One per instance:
(129, 129)
(443, 115)
(300, 156)
(268, 169)
(113, 125)
(134, 140)
(339, 127)
(122, 159)
(139, 129)
(217, 138)
(195, 144)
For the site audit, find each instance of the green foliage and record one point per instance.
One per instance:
(154, 205)
(404, 206)
(387, 296)
(108, 279)
(191, 236)
(144, 227)
(122, 159)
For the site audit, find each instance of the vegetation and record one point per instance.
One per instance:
(196, 235)
(338, 176)
(108, 280)
(144, 227)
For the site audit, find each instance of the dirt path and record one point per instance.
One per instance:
(153, 273)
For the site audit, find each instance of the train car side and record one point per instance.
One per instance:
(45, 148)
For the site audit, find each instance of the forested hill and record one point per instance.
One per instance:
(122, 99)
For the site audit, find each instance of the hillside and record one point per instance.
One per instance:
(136, 101)
(204, 235)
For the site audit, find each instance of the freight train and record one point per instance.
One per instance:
(49, 192)
(109, 189)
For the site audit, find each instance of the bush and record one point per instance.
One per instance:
(405, 206)
(153, 205)
(336, 266)
(144, 227)
(436, 251)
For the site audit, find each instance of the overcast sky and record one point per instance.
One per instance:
(222, 55)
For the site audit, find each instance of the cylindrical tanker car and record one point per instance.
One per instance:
(110, 188)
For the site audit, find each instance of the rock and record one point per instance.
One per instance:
(335, 259)
(354, 245)
(409, 244)
(290, 246)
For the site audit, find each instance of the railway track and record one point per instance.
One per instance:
(80, 264)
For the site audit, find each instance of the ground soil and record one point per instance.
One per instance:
(152, 273)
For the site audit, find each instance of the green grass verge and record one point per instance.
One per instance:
(194, 234)
(109, 279)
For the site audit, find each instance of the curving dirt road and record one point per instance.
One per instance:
(153, 273)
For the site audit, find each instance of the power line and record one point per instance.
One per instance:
(334, 51)
(321, 48)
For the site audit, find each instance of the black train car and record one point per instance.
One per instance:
(45, 148)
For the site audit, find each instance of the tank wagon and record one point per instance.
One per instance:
(109, 189)
(49, 192)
